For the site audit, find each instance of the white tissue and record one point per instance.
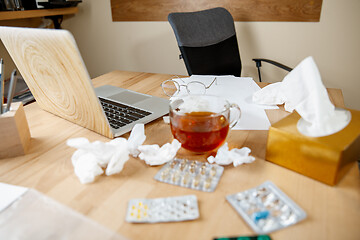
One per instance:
(77, 142)
(137, 137)
(119, 156)
(270, 95)
(235, 156)
(90, 158)
(303, 90)
(86, 166)
(154, 155)
(194, 104)
(166, 119)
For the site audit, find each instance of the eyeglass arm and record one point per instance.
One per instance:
(206, 87)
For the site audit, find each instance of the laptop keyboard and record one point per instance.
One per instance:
(119, 114)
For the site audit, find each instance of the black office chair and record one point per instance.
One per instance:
(208, 43)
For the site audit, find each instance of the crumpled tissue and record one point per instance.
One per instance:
(193, 104)
(166, 119)
(137, 137)
(90, 158)
(154, 155)
(302, 90)
(235, 156)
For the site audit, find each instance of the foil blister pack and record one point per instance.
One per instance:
(191, 174)
(171, 209)
(266, 208)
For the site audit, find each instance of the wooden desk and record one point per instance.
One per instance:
(333, 212)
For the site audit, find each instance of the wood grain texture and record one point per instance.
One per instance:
(10, 15)
(333, 212)
(14, 132)
(241, 10)
(51, 66)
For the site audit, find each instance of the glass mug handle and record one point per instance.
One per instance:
(234, 110)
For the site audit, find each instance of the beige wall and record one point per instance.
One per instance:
(334, 42)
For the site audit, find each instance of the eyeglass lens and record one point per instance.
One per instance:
(196, 88)
(170, 87)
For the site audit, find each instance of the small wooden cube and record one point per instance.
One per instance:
(14, 132)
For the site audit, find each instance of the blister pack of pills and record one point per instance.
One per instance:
(266, 208)
(171, 209)
(191, 174)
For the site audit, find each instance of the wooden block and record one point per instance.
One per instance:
(14, 132)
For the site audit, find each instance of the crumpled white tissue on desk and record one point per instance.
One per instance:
(86, 166)
(155, 155)
(90, 158)
(302, 90)
(235, 156)
(166, 119)
(137, 137)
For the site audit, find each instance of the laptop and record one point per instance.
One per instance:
(52, 67)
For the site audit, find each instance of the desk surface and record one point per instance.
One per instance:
(333, 212)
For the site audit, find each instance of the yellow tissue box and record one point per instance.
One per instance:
(326, 159)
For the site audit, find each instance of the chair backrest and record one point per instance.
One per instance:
(207, 41)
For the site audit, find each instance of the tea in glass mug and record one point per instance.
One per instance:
(201, 122)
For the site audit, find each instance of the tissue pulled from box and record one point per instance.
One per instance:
(236, 156)
(302, 90)
(154, 155)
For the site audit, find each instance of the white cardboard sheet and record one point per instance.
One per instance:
(9, 194)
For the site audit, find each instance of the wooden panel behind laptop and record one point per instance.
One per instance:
(244, 10)
(50, 64)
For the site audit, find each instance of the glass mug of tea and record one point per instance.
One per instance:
(201, 122)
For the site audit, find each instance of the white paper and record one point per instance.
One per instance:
(237, 90)
(9, 194)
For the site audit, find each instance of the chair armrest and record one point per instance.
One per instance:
(258, 65)
(259, 60)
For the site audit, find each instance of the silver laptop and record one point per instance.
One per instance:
(52, 67)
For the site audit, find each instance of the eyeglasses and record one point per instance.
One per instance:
(171, 87)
